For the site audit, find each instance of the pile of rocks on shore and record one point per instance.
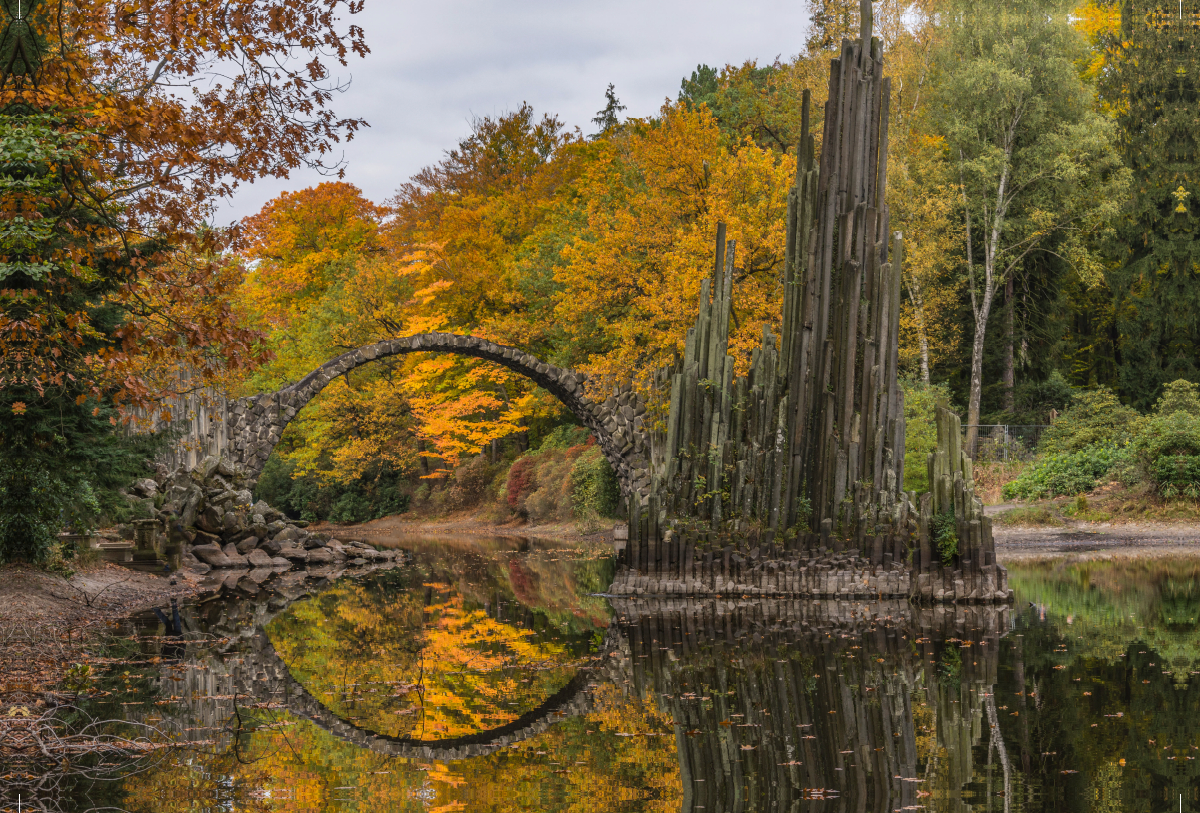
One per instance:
(212, 515)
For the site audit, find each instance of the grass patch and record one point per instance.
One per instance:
(1042, 515)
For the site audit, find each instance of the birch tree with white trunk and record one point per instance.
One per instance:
(1035, 162)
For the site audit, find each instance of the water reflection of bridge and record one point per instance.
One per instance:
(773, 701)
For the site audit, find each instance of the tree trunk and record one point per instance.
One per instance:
(924, 357)
(918, 303)
(1009, 321)
(981, 320)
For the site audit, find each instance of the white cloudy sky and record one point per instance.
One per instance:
(434, 65)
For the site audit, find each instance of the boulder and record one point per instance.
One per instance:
(193, 565)
(233, 521)
(268, 513)
(205, 469)
(210, 520)
(211, 555)
(259, 529)
(225, 466)
(294, 554)
(284, 533)
(248, 544)
(276, 526)
(190, 505)
(243, 498)
(320, 556)
(359, 562)
(259, 558)
(146, 487)
(280, 563)
(271, 546)
(202, 538)
(237, 559)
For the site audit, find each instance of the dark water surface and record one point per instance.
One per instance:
(485, 675)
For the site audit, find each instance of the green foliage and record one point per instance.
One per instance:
(1150, 83)
(1177, 476)
(380, 493)
(1033, 400)
(78, 678)
(63, 465)
(565, 436)
(920, 430)
(1095, 417)
(594, 490)
(944, 533)
(1166, 451)
(1065, 473)
(1179, 396)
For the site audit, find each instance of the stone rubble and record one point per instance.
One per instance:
(212, 515)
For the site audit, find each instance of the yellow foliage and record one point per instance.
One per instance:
(654, 194)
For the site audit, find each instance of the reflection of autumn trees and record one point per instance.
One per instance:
(418, 662)
(620, 757)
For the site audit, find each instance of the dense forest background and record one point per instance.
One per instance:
(1042, 167)
(1042, 216)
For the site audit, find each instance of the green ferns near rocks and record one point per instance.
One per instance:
(944, 533)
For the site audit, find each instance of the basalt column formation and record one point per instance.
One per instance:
(787, 480)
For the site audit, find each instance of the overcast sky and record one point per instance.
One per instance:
(435, 64)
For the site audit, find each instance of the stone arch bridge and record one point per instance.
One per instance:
(256, 423)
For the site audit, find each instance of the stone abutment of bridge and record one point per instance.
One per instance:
(257, 423)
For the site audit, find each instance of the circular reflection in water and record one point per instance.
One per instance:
(410, 655)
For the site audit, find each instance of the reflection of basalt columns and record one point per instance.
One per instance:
(788, 479)
(778, 701)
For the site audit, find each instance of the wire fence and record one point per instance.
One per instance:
(1005, 441)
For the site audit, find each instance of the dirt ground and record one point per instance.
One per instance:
(48, 622)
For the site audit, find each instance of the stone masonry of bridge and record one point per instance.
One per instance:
(256, 423)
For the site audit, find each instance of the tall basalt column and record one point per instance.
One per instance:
(789, 478)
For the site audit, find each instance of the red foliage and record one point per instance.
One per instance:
(522, 480)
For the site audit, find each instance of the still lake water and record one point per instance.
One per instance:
(486, 675)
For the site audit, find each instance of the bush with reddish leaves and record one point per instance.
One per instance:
(522, 481)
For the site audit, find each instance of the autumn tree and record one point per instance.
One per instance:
(1034, 161)
(107, 276)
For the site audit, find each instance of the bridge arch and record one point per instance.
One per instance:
(257, 422)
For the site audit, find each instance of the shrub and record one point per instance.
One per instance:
(594, 490)
(470, 483)
(1095, 418)
(351, 507)
(1179, 396)
(314, 496)
(1166, 448)
(1177, 476)
(1065, 473)
(565, 437)
(1033, 400)
(522, 480)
